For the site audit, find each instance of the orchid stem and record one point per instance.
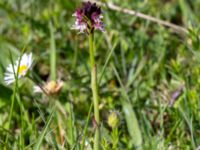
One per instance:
(94, 92)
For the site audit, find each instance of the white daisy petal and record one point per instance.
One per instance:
(8, 73)
(24, 59)
(29, 60)
(9, 77)
(10, 68)
(9, 81)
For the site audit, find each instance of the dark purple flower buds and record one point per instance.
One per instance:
(88, 18)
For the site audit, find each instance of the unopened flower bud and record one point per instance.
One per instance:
(113, 120)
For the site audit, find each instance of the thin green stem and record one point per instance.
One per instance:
(22, 115)
(52, 53)
(94, 92)
(86, 127)
(91, 44)
(10, 115)
(16, 74)
(13, 96)
(71, 123)
(106, 62)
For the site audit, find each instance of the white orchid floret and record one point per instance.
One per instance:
(20, 68)
(79, 26)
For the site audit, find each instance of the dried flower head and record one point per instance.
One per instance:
(50, 88)
(88, 18)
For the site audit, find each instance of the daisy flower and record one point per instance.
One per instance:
(20, 68)
(89, 16)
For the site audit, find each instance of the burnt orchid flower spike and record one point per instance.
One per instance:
(88, 18)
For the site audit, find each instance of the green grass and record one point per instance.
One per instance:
(141, 66)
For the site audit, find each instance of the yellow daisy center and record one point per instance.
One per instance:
(22, 69)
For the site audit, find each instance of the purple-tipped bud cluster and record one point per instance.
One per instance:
(88, 18)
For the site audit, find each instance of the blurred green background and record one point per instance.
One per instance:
(159, 68)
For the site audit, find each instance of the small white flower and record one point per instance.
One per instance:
(37, 89)
(21, 68)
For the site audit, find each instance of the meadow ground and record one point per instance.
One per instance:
(145, 75)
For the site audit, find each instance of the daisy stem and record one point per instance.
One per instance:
(10, 114)
(13, 96)
(94, 92)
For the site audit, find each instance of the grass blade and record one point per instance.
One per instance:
(132, 76)
(131, 120)
(86, 127)
(52, 53)
(41, 137)
(107, 60)
(132, 124)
